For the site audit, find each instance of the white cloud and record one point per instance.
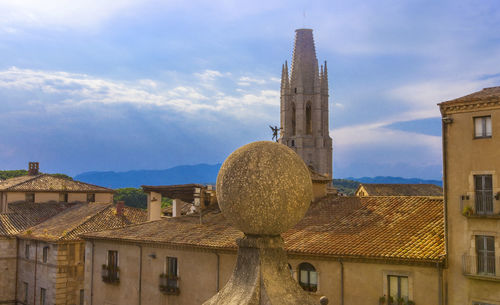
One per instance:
(62, 89)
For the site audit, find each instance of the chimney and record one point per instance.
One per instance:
(154, 206)
(33, 168)
(120, 205)
(176, 207)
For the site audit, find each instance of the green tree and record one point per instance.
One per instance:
(133, 197)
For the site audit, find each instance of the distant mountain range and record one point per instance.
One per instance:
(200, 173)
(398, 180)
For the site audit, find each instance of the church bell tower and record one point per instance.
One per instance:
(304, 106)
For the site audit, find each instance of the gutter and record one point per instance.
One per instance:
(36, 262)
(140, 274)
(444, 130)
(17, 270)
(341, 282)
(92, 275)
(217, 274)
(440, 283)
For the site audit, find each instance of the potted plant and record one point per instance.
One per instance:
(381, 300)
(104, 272)
(401, 301)
(410, 302)
(390, 300)
(467, 211)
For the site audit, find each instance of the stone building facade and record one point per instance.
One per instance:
(471, 129)
(304, 106)
(41, 188)
(342, 244)
(50, 255)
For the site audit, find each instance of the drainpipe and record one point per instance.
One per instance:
(36, 261)
(341, 282)
(444, 131)
(440, 283)
(17, 268)
(217, 273)
(92, 275)
(140, 274)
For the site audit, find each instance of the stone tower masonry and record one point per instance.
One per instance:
(304, 106)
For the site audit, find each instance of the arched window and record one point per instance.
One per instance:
(308, 277)
(309, 129)
(293, 119)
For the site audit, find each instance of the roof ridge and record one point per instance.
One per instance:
(85, 220)
(119, 228)
(78, 181)
(25, 181)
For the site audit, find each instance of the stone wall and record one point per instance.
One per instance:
(7, 270)
(364, 282)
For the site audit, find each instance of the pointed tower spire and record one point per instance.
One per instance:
(325, 78)
(304, 62)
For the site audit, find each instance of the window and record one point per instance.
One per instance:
(111, 271)
(45, 254)
(484, 194)
(308, 119)
(169, 280)
(293, 119)
(27, 251)
(25, 289)
(482, 127)
(43, 293)
(90, 197)
(485, 250)
(397, 287)
(81, 296)
(308, 277)
(63, 197)
(30, 197)
(291, 270)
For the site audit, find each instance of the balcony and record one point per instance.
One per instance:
(483, 205)
(169, 284)
(481, 267)
(110, 274)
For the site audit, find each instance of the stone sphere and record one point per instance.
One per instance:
(264, 188)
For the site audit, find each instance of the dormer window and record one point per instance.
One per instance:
(482, 127)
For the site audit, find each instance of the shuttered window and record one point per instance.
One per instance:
(397, 287)
(484, 194)
(482, 127)
(485, 250)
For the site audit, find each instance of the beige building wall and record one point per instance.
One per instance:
(77, 197)
(363, 283)
(15, 197)
(62, 275)
(104, 197)
(466, 156)
(8, 270)
(46, 197)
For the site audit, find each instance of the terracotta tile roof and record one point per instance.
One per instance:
(48, 183)
(386, 189)
(23, 215)
(402, 228)
(492, 93)
(83, 218)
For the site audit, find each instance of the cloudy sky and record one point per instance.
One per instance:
(148, 84)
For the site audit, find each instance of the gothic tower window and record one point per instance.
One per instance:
(293, 119)
(308, 119)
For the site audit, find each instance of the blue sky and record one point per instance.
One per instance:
(148, 84)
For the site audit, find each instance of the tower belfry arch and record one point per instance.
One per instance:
(304, 105)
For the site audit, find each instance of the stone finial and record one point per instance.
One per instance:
(264, 189)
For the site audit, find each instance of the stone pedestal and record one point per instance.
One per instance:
(261, 276)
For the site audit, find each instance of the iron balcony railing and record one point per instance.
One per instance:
(484, 202)
(169, 284)
(110, 274)
(487, 266)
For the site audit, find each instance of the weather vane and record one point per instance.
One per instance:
(275, 130)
